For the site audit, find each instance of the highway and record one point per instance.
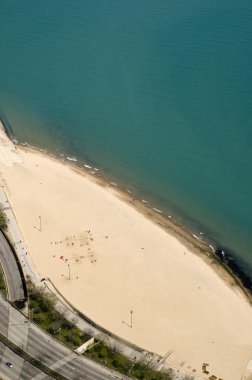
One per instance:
(20, 368)
(43, 347)
(12, 274)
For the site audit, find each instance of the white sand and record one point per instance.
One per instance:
(125, 263)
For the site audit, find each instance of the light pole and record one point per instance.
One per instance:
(131, 367)
(131, 320)
(69, 276)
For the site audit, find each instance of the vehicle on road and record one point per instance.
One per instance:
(9, 364)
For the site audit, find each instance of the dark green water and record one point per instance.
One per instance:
(158, 94)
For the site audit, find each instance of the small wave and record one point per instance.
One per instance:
(96, 169)
(212, 248)
(128, 191)
(196, 237)
(113, 184)
(157, 210)
(71, 159)
(29, 145)
(88, 167)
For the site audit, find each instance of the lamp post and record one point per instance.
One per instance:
(131, 318)
(69, 276)
(131, 367)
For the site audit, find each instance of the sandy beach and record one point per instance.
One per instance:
(108, 259)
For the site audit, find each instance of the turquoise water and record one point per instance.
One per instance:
(158, 94)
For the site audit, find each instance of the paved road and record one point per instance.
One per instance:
(21, 369)
(47, 350)
(12, 274)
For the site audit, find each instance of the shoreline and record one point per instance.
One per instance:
(218, 258)
(221, 256)
(122, 260)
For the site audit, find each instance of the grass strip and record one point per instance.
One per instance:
(112, 358)
(43, 313)
(31, 360)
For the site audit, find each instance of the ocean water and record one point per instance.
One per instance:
(157, 94)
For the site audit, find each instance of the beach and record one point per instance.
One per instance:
(124, 271)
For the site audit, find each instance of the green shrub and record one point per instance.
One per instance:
(43, 313)
(3, 222)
